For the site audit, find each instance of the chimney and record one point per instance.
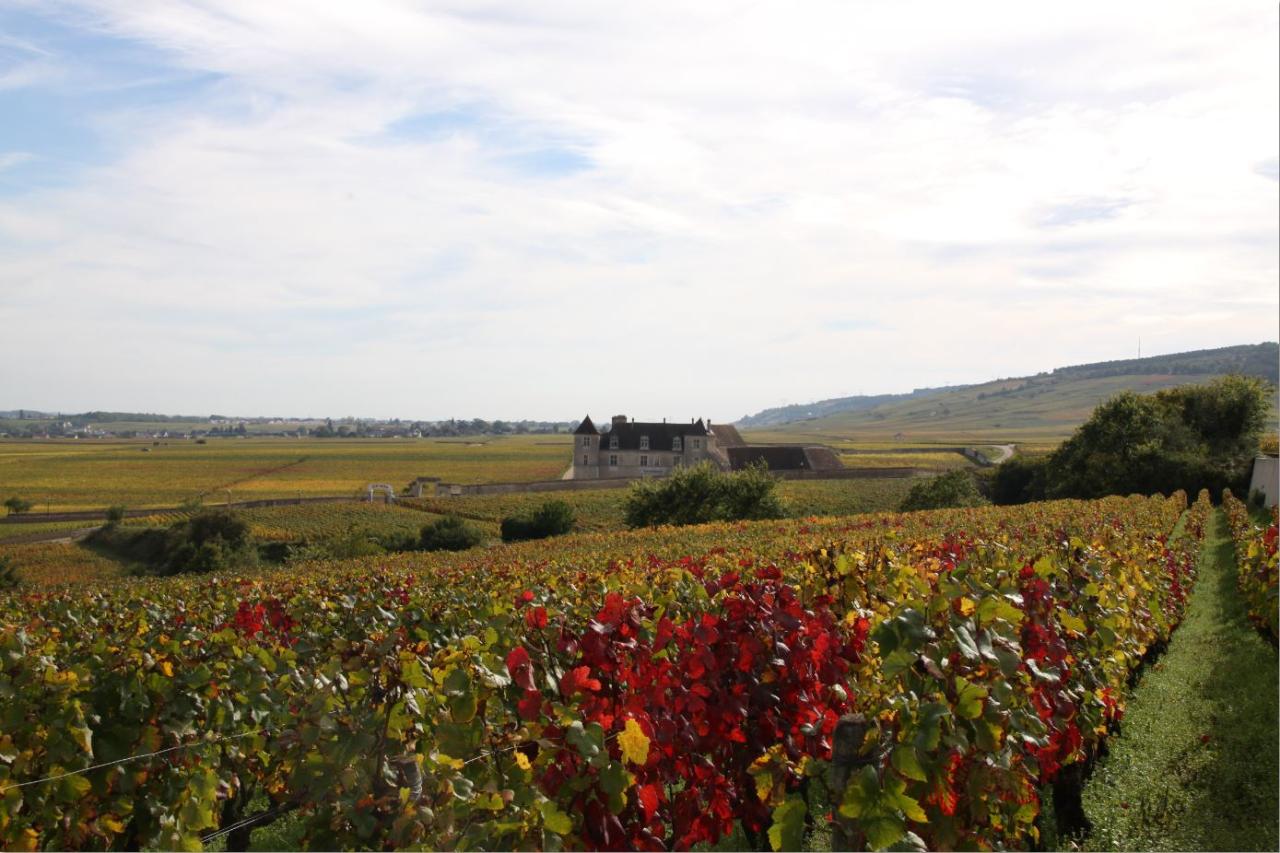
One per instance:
(618, 420)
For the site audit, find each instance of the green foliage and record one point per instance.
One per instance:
(1019, 480)
(947, 491)
(450, 533)
(352, 543)
(1189, 438)
(8, 573)
(17, 505)
(208, 541)
(552, 518)
(700, 494)
(192, 504)
(115, 514)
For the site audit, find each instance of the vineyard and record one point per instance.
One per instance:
(70, 475)
(1257, 560)
(322, 521)
(595, 510)
(627, 690)
(600, 510)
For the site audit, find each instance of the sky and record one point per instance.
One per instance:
(539, 210)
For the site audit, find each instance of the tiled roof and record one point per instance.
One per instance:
(661, 436)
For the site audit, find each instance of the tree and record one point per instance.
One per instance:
(700, 494)
(17, 505)
(952, 489)
(208, 541)
(450, 533)
(552, 518)
(1019, 480)
(115, 514)
(1193, 437)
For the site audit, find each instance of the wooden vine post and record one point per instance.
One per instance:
(846, 759)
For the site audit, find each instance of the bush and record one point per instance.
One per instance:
(952, 489)
(751, 494)
(700, 494)
(8, 573)
(17, 505)
(553, 518)
(207, 541)
(1019, 480)
(115, 514)
(355, 542)
(450, 533)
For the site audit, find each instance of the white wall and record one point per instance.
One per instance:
(1266, 478)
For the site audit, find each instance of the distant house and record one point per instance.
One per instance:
(627, 449)
(631, 449)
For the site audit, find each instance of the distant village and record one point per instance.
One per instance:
(23, 423)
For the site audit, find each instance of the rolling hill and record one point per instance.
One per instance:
(1041, 408)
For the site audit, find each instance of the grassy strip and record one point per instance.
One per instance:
(1195, 766)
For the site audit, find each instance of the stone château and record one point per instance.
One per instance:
(627, 449)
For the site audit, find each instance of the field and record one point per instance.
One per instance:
(1040, 410)
(656, 687)
(71, 475)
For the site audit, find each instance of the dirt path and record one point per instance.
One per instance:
(1195, 764)
(49, 536)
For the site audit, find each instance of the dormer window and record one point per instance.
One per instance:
(644, 442)
(613, 442)
(676, 444)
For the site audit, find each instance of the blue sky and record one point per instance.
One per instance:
(498, 210)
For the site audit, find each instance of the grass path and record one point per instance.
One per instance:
(1195, 765)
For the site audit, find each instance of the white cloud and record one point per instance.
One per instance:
(984, 194)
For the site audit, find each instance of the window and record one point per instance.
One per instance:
(584, 459)
(675, 461)
(697, 444)
(644, 442)
(644, 461)
(586, 441)
(613, 460)
(613, 442)
(677, 444)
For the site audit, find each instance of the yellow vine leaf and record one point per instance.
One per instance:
(634, 743)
